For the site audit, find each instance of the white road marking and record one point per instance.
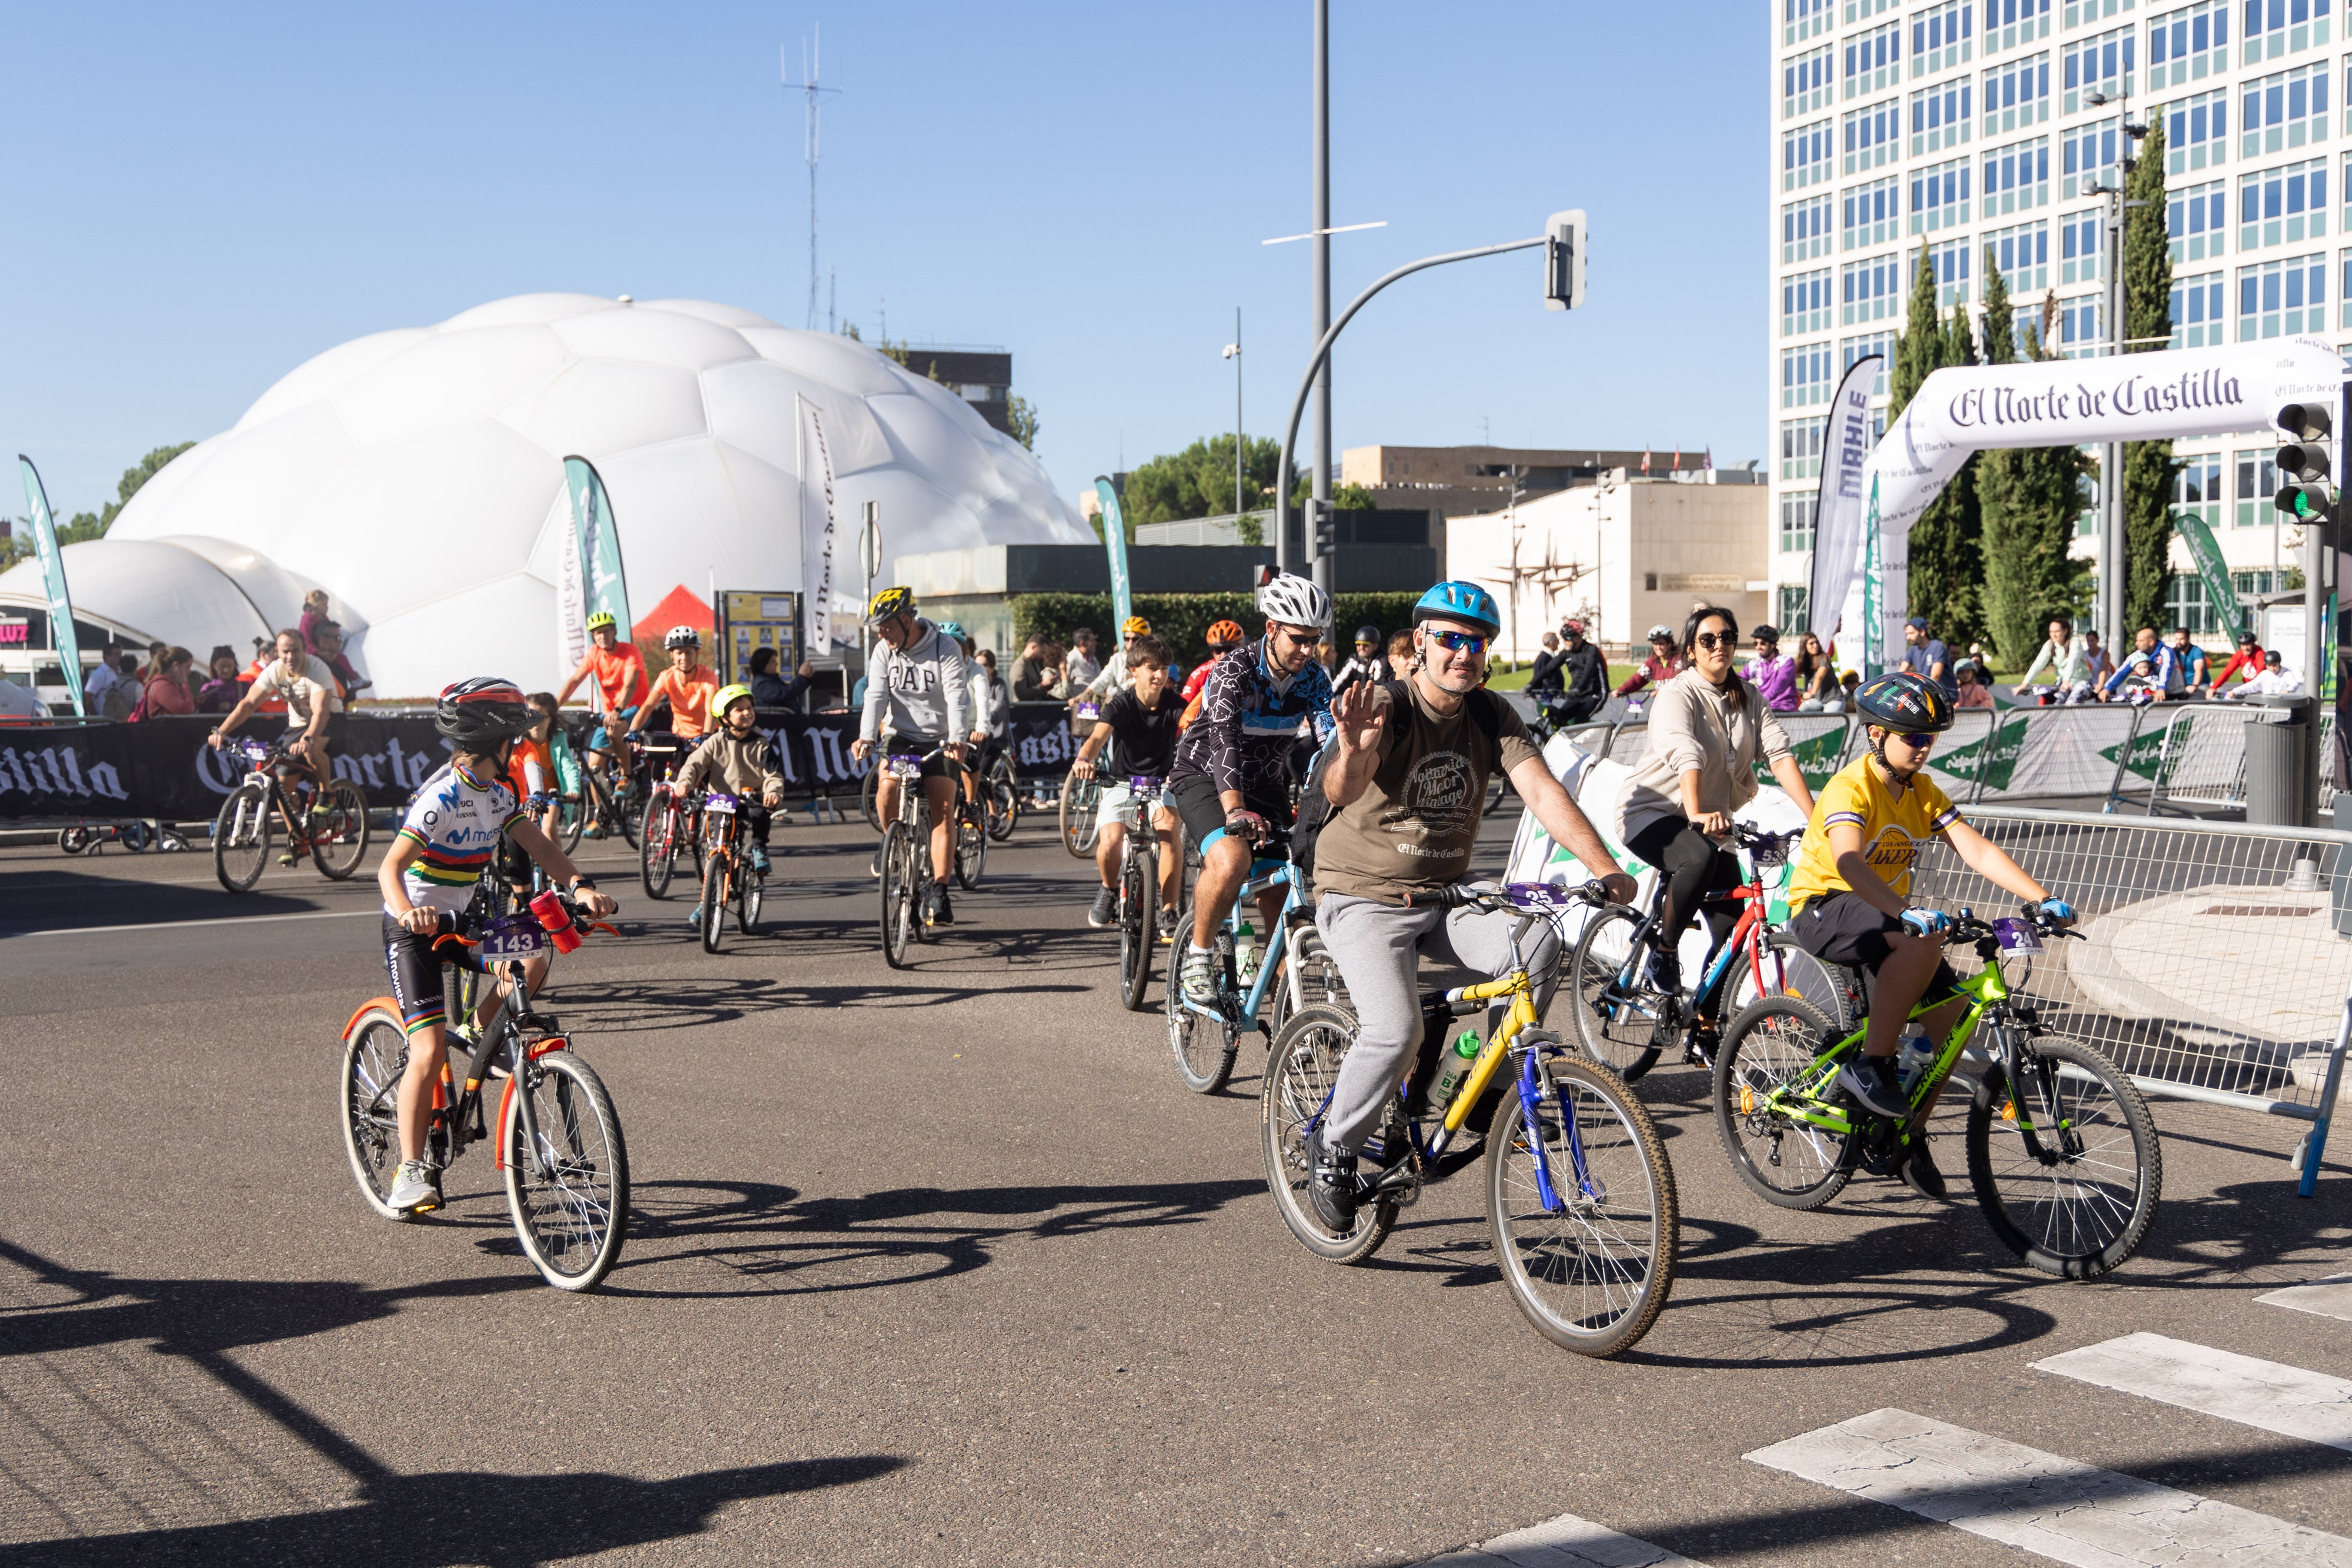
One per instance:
(2054, 1506)
(1567, 1541)
(2330, 1298)
(186, 925)
(2287, 1400)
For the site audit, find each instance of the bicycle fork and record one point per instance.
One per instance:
(1532, 1082)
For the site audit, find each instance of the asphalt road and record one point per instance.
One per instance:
(946, 1267)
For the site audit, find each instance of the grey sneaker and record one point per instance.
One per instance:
(1872, 1082)
(1331, 1184)
(414, 1191)
(1199, 976)
(1106, 907)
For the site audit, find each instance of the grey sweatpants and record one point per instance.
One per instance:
(1378, 948)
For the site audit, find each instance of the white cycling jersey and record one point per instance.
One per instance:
(456, 819)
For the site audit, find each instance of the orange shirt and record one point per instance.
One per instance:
(527, 753)
(690, 699)
(620, 674)
(252, 673)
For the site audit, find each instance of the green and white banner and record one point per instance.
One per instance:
(2220, 593)
(1122, 601)
(602, 586)
(53, 576)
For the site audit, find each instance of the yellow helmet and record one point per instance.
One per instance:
(602, 618)
(1135, 626)
(890, 601)
(726, 697)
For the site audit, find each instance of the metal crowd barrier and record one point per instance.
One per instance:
(2218, 959)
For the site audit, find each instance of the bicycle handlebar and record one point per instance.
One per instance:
(1527, 897)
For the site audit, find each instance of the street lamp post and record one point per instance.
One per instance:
(1321, 489)
(1233, 352)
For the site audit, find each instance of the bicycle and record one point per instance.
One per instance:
(668, 822)
(906, 859)
(1139, 891)
(559, 1141)
(609, 801)
(1205, 1036)
(969, 855)
(1580, 1197)
(333, 830)
(727, 875)
(88, 838)
(1000, 789)
(1624, 1020)
(2059, 1197)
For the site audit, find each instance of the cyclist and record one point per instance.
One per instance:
(428, 879)
(1366, 664)
(1584, 675)
(688, 686)
(1407, 785)
(1139, 723)
(738, 758)
(979, 706)
(1230, 782)
(1709, 730)
(918, 695)
(1112, 676)
(619, 672)
(1223, 637)
(531, 778)
(299, 681)
(1851, 874)
(1665, 662)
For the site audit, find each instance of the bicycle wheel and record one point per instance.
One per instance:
(1617, 1023)
(1300, 1072)
(658, 851)
(970, 846)
(1771, 1045)
(1004, 800)
(241, 835)
(375, 1057)
(714, 903)
(1079, 797)
(339, 837)
(74, 840)
(570, 817)
(170, 838)
(2073, 1194)
(902, 913)
(620, 809)
(1594, 1273)
(1204, 1044)
(751, 893)
(866, 792)
(1139, 899)
(570, 1193)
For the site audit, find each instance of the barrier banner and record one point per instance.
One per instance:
(1818, 743)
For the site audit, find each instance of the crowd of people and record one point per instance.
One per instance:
(169, 681)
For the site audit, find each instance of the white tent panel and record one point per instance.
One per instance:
(275, 593)
(448, 378)
(519, 309)
(324, 375)
(182, 598)
(706, 311)
(657, 337)
(690, 509)
(839, 361)
(609, 406)
(250, 485)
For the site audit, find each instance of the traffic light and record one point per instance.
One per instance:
(1327, 525)
(2305, 469)
(1564, 260)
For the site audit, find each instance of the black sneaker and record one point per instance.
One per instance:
(1872, 1082)
(935, 908)
(1666, 973)
(1106, 907)
(1167, 929)
(1700, 1045)
(1919, 1173)
(1331, 1185)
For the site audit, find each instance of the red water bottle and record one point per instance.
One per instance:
(556, 920)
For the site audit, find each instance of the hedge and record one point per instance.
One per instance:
(1185, 619)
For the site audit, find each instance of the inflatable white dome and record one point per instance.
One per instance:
(418, 476)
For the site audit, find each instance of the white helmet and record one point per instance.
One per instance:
(1666, 633)
(682, 637)
(1296, 601)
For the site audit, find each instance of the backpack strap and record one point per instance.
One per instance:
(1485, 707)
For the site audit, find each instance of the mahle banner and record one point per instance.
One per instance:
(1838, 513)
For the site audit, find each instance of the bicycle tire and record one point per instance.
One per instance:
(1300, 1072)
(970, 846)
(571, 1220)
(570, 820)
(375, 1056)
(1005, 800)
(339, 840)
(712, 902)
(1203, 1044)
(658, 851)
(1076, 815)
(620, 809)
(133, 836)
(1616, 1025)
(1138, 900)
(73, 840)
(1769, 1044)
(902, 914)
(2060, 1234)
(1593, 1277)
(241, 835)
(866, 791)
(172, 838)
(750, 896)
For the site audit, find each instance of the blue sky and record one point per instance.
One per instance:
(205, 197)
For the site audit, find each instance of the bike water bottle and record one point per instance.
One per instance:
(555, 920)
(1914, 1057)
(1246, 955)
(1453, 1070)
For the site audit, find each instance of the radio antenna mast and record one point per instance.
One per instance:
(810, 52)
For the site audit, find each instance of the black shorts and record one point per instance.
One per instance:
(415, 970)
(940, 766)
(1839, 928)
(1198, 805)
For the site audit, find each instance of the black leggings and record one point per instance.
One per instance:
(1693, 865)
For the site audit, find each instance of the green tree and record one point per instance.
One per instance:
(1345, 498)
(1946, 549)
(1198, 482)
(2150, 471)
(2028, 498)
(1021, 415)
(84, 526)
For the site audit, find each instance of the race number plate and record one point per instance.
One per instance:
(2017, 936)
(513, 937)
(902, 767)
(724, 805)
(1090, 710)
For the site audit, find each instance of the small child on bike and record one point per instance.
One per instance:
(1850, 883)
(737, 758)
(1140, 723)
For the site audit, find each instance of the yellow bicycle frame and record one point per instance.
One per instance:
(1521, 1016)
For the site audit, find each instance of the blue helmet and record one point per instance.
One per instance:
(1460, 601)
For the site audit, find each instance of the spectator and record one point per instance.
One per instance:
(772, 690)
(2274, 682)
(2139, 681)
(1031, 680)
(1926, 656)
(2102, 664)
(1400, 654)
(1543, 674)
(1584, 675)
(1817, 678)
(1665, 662)
(1974, 690)
(327, 642)
(2196, 669)
(155, 652)
(2163, 674)
(2067, 658)
(1849, 684)
(314, 613)
(1082, 665)
(101, 680)
(999, 697)
(1773, 673)
(166, 689)
(220, 692)
(2246, 662)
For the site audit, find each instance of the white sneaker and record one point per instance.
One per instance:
(414, 1191)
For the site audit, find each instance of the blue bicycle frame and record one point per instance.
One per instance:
(1264, 875)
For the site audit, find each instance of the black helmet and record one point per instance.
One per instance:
(1368, 633)
(1904, 703)
(478, 713)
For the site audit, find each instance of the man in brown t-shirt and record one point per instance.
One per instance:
(1407, 786)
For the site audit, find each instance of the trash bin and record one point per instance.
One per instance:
(2278, 769)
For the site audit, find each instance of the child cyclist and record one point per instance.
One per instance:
(428, 879)
(1139, 721)
(737, 758)
(1849, 885)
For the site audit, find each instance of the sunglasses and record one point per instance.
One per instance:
(1298, 639)
(1711, 640)
(1920, 740)
(1459, 641)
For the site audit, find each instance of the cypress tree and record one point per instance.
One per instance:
(2151, 472)
(1946, 545)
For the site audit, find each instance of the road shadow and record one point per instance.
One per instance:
(691, 1001)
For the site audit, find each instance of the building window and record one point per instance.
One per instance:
(2282, 206)
(1805, 303)
(1793, 620)
(1939, 196)
(1942, 37)
(1949, 264)
(1802, 19)
(1940, 117)
(2194, 218)
(1870, 290)
(2079, 245)
(1805, 81)
(1879, 343)
(2189, 45)
(1874, 60)
(2196, 132)
(1805, 155)
(2283, 298)
(2102, 65)
(2079, 11)
(2022, 255)
(1805, 376)
(2344, 293)
(2257, 483)
(2016, 177)
(1867, 214)
(1805, 228)
(2184, 604)
(1801, 448)
(2078, 325)
(2017, 95)
(2087, 158)
(2197, 311)
(1873, 136)
(2250, 584)
(2009, 23)
(2284, 110)
(1863, 10)
(2198, 491)
(2274, 27)
(1796, 521)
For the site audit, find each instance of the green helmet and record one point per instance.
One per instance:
(728, 696)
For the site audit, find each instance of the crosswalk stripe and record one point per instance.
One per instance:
(2287, 1400)
(1567, 1541)
(2053, 1506)
(2330, 1298)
